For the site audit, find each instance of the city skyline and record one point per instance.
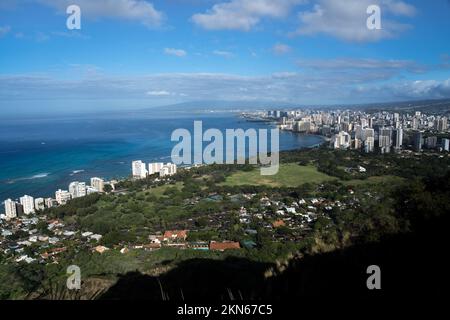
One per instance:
(379, 132)
(134, 54)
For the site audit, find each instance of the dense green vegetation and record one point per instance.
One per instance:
(396, 194)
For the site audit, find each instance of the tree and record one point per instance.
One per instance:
(107, 188)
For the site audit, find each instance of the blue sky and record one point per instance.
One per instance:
(135, 53)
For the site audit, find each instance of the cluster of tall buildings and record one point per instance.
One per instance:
(27, 204)
(141, 171)
(382, 131)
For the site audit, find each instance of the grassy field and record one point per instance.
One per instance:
(292, 175)
(289, 175)
(159, 191)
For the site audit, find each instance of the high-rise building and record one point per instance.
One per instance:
(446, 144)
(359, 132)
(302, 126)
(62, 196)
(442, 124)
(98, 184)
(415, 123)
(357, 144)
(369, 139)
(385, 140)
(368, 132)
(91, 190)
(417, 141)
(396, 117)
(28, 204)
(168, 170)
(431, 142)
(154, 168)
(363, 122)
(49, 202)
(398, 139)
(139, 170)
(369, 144)
(19, 209)
(39, 204)
(346, 126)
(77, 189)
(10, 209)
(342, 140)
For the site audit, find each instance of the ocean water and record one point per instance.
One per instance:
(41, 155)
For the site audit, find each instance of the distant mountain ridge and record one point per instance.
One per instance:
(437, 105)
(223, 105)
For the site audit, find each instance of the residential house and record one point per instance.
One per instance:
(222, 246)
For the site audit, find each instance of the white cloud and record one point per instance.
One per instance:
(4, 30)
(242, 14)
(136, 10)
(366, 85)
(175, 52)
(284, 75)
(406, 90)
(362, 63)
(225, 54)
(161, 93)
(427, 88)
(281, 49)
(347, 20)
(400, 8)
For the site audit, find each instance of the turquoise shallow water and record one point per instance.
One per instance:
(40, 155)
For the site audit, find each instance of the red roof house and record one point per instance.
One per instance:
(222, 246)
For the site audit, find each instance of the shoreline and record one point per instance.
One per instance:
(76, 174)
(117, 178)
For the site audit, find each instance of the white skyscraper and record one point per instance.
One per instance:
(442, 124)
(446, 144)
(396, 116)
(384, 140)
(91, 190)
(28, 204)
(10, 209)
(39, 204)
(62, 196)
(364, 122)
(98, 184)
(168, 170)
(77, 189)
(49, 202)
(342, 140)
(398, 138)
(139, 170)
(369, 140)
(368, 132)
(155, 167)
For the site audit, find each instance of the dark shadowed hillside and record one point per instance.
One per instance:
(411, 264)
